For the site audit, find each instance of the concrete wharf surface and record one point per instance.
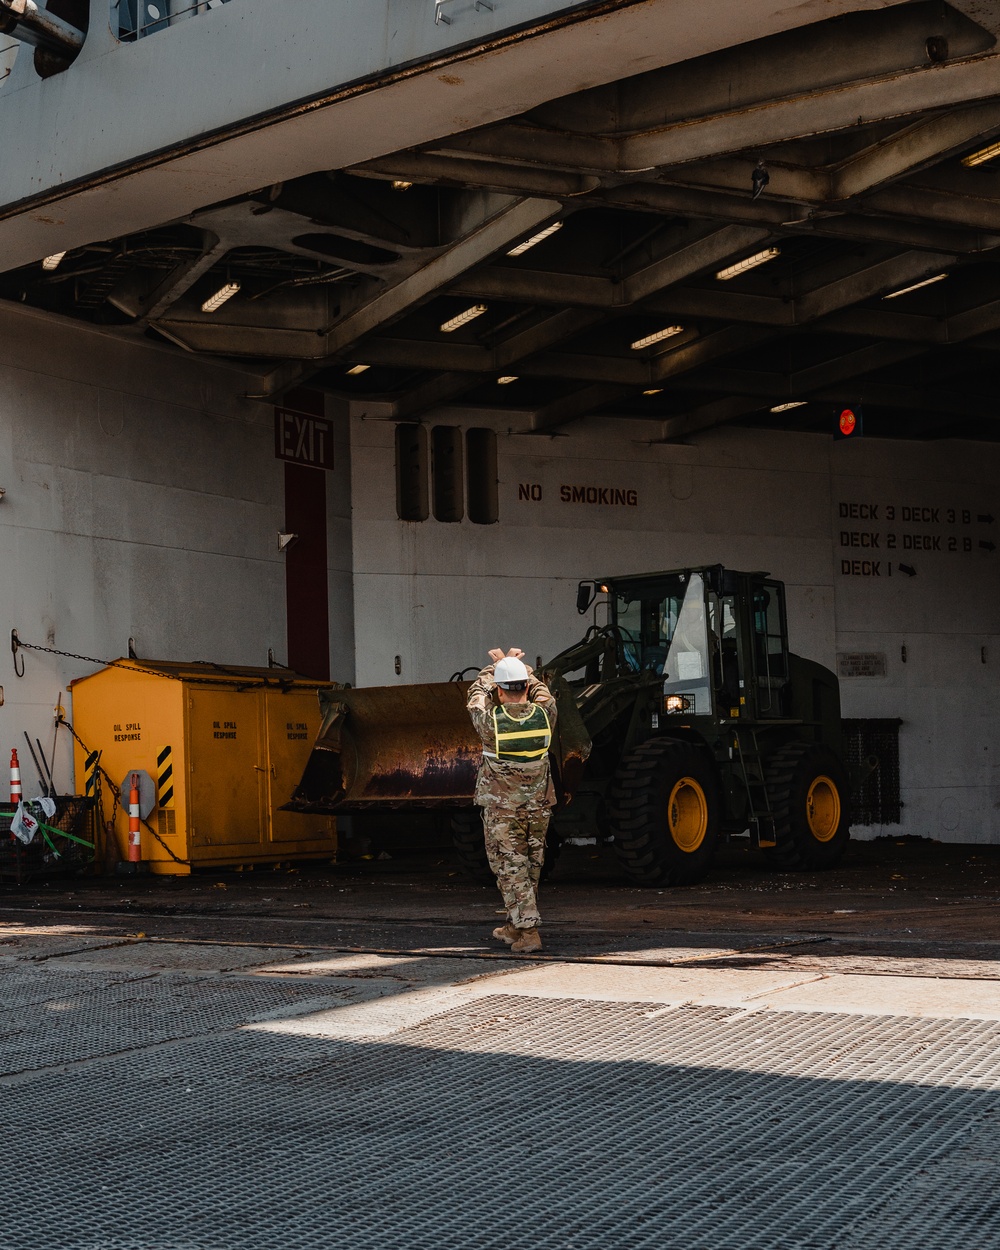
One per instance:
(340, 1057)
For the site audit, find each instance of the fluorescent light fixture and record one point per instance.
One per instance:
(982, 156)
(356, 369)
(656, 390)
(506, 379)
(915, 286)
(794, 403)
(52, 262)
(400, 184)
(751, 262)
(224, 293)
(535, 239)
(463, 318)
(658, 337)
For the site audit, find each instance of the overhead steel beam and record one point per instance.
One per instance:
(569, 407)
(629, 373)
(914, 89)
(851, 365)
(804, 384)
(374, 310)
(913, 147)
(691, 258)
(878, 279)
(466, 358)
(533, 286)
(705, 253)
(767, 389)
(505, 355)
(866, 66)
(424, 167)
(584, 290)
(882, 324)
(949, 208)
(909, 148)
(436, 390)
(547, 333)
(548, 287)
(735, 338)
(418, 354)
(782, 218)
(973, 322)
(515, 222)
(712, 347)
(179, 281)
(920, 399)
(706, 417)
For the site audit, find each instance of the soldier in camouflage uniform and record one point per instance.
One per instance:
(514, 714)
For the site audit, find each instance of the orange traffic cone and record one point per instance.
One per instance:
(134, 832)
(15, 778)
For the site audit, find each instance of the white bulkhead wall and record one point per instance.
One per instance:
(142, 499)
(820, 515)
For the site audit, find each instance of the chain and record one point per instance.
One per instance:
(284, 685)
(115, 791)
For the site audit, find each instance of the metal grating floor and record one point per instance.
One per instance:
(510, 1123)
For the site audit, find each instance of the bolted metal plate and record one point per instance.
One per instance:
(509, 1123)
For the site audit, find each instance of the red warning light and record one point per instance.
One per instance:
(848, 422)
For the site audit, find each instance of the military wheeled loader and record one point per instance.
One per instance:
(683, 720)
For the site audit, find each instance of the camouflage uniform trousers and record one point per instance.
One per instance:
(515, 846)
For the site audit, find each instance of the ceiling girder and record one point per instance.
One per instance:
(805, 219)
(858, 125)
(577, 404)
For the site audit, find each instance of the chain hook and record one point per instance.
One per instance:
(15, 644)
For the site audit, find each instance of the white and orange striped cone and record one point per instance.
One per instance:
(134, 832)
(15, 778)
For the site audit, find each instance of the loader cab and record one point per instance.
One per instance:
(717, 638)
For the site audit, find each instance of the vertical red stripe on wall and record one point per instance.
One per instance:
(306, 589)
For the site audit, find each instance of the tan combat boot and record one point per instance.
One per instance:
(528, 941)
(507, 933)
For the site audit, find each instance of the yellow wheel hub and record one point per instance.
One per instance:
(687, 814)
(823, 809)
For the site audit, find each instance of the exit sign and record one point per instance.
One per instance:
(303, 439)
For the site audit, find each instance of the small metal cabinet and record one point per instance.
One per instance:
(226, 747)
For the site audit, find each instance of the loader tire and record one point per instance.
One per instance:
(809, 793)
(470, 847)
(664, 813)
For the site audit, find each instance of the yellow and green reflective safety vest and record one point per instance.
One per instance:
(525, 739)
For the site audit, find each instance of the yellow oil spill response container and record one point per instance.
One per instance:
(225, 747)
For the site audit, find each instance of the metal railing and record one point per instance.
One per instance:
(139, 18)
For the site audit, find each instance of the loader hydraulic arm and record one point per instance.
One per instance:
(601, 652)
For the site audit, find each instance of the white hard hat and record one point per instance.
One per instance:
(510, 672)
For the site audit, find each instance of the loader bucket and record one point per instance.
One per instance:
(391, 746)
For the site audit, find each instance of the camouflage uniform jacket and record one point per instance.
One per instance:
(509, 783)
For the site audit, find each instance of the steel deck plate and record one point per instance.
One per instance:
(509, 1123)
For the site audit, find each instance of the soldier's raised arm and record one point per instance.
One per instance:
(538, 692)
(478, 699)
